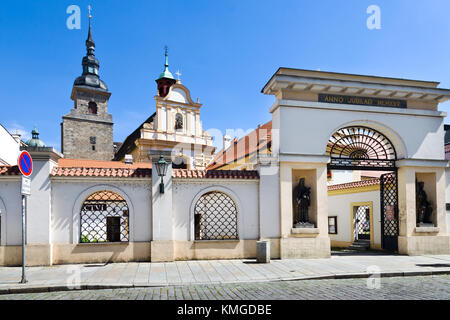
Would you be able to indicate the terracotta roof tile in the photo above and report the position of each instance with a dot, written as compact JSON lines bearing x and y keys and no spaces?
{"x":115,"y":169}
{"x":357,"y":184}
{"x":215,"y":174}
{"x":96,"y":168}
{"x":9,"y":171}
{"x":101,"y":172}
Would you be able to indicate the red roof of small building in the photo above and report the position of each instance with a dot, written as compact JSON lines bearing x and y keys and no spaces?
{"x":356,"y":184}
{"x":255,"y":141}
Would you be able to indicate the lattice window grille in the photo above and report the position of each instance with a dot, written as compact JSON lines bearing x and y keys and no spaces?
{"x":96,"y":210}
{"x":215,"y":217}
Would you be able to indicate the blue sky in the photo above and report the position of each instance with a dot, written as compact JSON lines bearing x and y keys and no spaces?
{"x":226,"y":51}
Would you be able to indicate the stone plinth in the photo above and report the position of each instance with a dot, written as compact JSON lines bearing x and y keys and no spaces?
{"x":263,"y":251}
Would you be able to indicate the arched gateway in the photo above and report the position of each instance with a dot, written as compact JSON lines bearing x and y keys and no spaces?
{"x":364,"y":148}
{"x":324,"y":121}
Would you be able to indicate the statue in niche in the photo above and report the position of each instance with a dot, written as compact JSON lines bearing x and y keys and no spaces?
{"x":302,"y":197}
{"x":424,"y":209}
{"x":178,"y":121}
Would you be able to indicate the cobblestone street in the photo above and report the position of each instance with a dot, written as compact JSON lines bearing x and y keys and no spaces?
{"x":420,"y":288}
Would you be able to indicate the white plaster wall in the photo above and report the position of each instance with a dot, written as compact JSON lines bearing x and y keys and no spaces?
{"x":269,"y":202}
{"x":340,"y":206}
{"x":244,"y":193}
{"x":341,"y":176}
{"x":68,"y":195}
{"x":39,"y":203}
{"x":11,"y":215}
{"x":9,"y":147}
{"x":420,"y":137}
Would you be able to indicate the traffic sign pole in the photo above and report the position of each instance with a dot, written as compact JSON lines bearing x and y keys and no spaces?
{"x":24,"y":278}
{"x":25,"y":163}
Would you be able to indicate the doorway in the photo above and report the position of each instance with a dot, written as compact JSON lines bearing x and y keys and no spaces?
{"x":362,"y":222}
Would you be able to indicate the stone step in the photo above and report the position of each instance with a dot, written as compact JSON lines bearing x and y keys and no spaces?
{"x":360,"y":245}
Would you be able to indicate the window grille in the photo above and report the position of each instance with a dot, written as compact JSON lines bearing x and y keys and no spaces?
{"x":104,"y":218}
{"x":354,"y":148}
{"x":215,"y":217}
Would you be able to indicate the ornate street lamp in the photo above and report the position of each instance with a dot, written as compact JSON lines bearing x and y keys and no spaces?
{"x":161,"y":168}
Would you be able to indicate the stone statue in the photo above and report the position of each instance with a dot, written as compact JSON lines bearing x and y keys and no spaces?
{"x":178,"y":121}
{"x":302,"y":197}
{"x":424,"y":209}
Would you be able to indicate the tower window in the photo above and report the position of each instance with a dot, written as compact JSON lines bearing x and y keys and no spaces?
{"x":92,"y":108}
{"x":93,"y":140}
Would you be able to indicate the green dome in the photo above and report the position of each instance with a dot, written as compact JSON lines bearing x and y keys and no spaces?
{"x":35,"y":141}
{"x":166,"y":74}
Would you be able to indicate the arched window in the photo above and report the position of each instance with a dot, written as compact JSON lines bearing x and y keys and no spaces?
{"x":104,"y":218}
{"x":215,"y":217}
{"x":178,"y":121}
{"x":92,"y":108}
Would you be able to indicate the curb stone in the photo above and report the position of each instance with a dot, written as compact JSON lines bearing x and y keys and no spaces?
{"x":55,"y":288}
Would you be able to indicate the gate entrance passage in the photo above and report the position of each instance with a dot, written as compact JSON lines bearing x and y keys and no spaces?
{"x":363,"y":148}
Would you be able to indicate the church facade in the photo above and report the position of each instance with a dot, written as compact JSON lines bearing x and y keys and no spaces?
{"x":174,"y":127}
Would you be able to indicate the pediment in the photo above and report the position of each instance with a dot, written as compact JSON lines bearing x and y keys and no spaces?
{"x":179,"y":93}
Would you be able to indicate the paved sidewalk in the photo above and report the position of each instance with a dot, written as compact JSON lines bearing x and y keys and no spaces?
{"x":126,"y":275}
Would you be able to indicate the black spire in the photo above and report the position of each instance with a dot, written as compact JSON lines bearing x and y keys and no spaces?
{"x":91,"y":65}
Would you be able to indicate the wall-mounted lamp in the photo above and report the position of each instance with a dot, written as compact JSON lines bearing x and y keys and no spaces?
{"x":161,"y":168}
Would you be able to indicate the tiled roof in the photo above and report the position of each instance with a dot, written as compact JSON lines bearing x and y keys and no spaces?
{"x":116,"y":169}
{"x":215,"y":174}
{"x":257,"y":140}
{"x":95,"y":168}
{"x":357,"y":184}
{"x":101,"y":172}
{"x":9,"y":171}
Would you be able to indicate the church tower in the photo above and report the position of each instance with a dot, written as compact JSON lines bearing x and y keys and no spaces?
{"x":87,"y":131}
